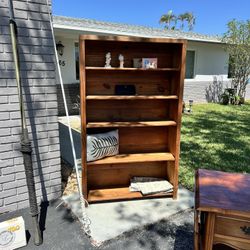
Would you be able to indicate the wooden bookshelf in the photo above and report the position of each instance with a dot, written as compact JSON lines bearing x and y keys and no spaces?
{"x":148,"y":122}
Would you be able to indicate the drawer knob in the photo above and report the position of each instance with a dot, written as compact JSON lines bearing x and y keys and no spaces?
{"x":246,"y":230}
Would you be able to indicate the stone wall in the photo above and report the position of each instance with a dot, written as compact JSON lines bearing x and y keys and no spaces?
{"x":72,"y":93}
{"x":40,"y":91}
{"x":206,"y":91}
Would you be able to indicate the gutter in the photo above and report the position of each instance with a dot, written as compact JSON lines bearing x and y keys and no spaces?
{"x":105,"y":31}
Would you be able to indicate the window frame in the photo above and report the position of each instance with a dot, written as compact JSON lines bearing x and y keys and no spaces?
{"x":76,"y":45}
{"x":194,"y":68}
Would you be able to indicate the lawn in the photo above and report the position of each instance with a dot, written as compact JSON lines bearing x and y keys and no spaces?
{"x":215,"y":137}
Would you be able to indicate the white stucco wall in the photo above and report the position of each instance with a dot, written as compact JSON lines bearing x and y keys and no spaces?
{"x":210,"y":59}
{"x":68,"y":71}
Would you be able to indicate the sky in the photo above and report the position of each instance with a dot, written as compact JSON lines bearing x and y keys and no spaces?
{"x":211,"y":15}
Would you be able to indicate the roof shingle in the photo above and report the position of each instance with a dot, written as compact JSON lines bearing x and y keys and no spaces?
{"x":128,"y":29}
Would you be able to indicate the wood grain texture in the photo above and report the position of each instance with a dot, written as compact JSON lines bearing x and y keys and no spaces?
{"x":130,"y":158}
{"x":120,"y":194}
{"x":232,"y":226}
{"x":145,"y":82}
{"x":131,"y":39}
{"x":223,"y":192}
{"x":156,"y":139}
{"x":83,"y":116}
{"x":130,"y":124}
{"x":131,"y":97}
{"x":136,"y":111}
{"x":131,"y":69}
{"x":233,"y":242}
{"x":223,"y":201}
{"x":209,"y":232}
{"x":119,"y":175}
{"x":148,"y":122}
{"x":177,"y":112}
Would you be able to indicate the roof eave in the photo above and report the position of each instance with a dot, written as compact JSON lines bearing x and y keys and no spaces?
{"x":77,"y":28}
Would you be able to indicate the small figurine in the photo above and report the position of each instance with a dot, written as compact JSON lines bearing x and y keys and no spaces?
{"x":121,"y":59}
{"x":108,"y":60}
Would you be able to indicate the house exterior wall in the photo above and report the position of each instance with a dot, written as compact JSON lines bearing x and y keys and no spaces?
{"x":40,"y":94}
{"x":68,"y":71}
{"x":211,"y":61}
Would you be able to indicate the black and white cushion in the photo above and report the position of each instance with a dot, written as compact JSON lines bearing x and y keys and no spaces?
{"x":102,"y":145}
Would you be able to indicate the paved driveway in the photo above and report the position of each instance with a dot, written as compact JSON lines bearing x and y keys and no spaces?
{"x":61,"y":231}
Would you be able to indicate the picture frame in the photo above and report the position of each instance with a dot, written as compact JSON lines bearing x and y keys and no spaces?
{"x":149,"y":63}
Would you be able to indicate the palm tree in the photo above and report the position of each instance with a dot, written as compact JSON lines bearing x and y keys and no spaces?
{"x":168,"y":18}
{"x":182,"y":18}
{"x":190,"y":20}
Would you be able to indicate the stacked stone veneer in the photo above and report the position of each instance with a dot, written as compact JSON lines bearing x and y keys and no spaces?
{"x":40,"y":91}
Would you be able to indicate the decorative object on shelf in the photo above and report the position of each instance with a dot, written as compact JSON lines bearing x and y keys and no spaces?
{"x":121,"y":59}
{"x":60,"y":48}
{"x":108,"y":60}
{"x":125,"y":89}
{"x":137,"y":63}
{"x":102,"y":145}
{"x":149,"y":63}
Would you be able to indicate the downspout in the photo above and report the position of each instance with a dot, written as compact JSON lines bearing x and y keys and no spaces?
{"x":25,"y":142}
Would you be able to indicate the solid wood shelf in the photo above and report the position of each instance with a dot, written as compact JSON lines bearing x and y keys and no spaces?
{"x":132,"y":97}
{"x":133,"y":158}
{"x":148,"y":121}
{"x":130,"y":69}
{"x":130,"y":124}
{"x":123,"y":193}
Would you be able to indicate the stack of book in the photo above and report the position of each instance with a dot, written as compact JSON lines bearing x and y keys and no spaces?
{"x":150,"y":185}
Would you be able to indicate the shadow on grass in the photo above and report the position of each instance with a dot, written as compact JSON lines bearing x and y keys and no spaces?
{"x":215,"y":137}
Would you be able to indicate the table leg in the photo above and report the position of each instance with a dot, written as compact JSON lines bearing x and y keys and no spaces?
{"x":209,"y":231}
{"x":196,"y":230}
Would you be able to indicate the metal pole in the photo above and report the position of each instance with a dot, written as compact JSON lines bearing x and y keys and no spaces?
{"x":25,"y":142}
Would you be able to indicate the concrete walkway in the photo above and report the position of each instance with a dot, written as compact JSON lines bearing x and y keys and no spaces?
{"x":109,"y":220}
{"x":60,"y":231}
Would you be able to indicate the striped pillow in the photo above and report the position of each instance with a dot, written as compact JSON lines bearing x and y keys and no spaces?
{"x":102,"y":145}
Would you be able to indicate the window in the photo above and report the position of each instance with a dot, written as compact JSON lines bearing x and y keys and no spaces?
{"x":190,"y":64}
{"x":230,"y":67}
{"x":77,"y":60}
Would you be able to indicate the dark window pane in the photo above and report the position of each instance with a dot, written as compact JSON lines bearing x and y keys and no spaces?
{"x":77,"y":60}
{"x":190,"y":64}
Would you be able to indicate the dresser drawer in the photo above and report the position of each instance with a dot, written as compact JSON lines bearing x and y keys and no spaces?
{"x":233,"y":226}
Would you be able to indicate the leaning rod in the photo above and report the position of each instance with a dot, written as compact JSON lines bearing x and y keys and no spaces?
{"x":25,"y":142}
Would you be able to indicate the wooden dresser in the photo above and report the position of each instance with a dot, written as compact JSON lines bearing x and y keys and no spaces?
{"x":222,"y":210}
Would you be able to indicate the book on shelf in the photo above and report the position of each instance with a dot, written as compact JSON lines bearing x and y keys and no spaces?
{"x":150,"y":185}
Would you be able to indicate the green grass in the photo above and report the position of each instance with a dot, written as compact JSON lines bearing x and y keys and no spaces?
{"x":215,"y":137}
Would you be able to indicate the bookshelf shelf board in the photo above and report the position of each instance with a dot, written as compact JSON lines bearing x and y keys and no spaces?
{"x":133,"y":158}
{"x":130,"y":69}
{"x":132,"y":97}
{"x":120,"y":194}
{"x":130,"y":124}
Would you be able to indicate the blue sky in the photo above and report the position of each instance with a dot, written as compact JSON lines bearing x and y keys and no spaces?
{"x":211,"y":15}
